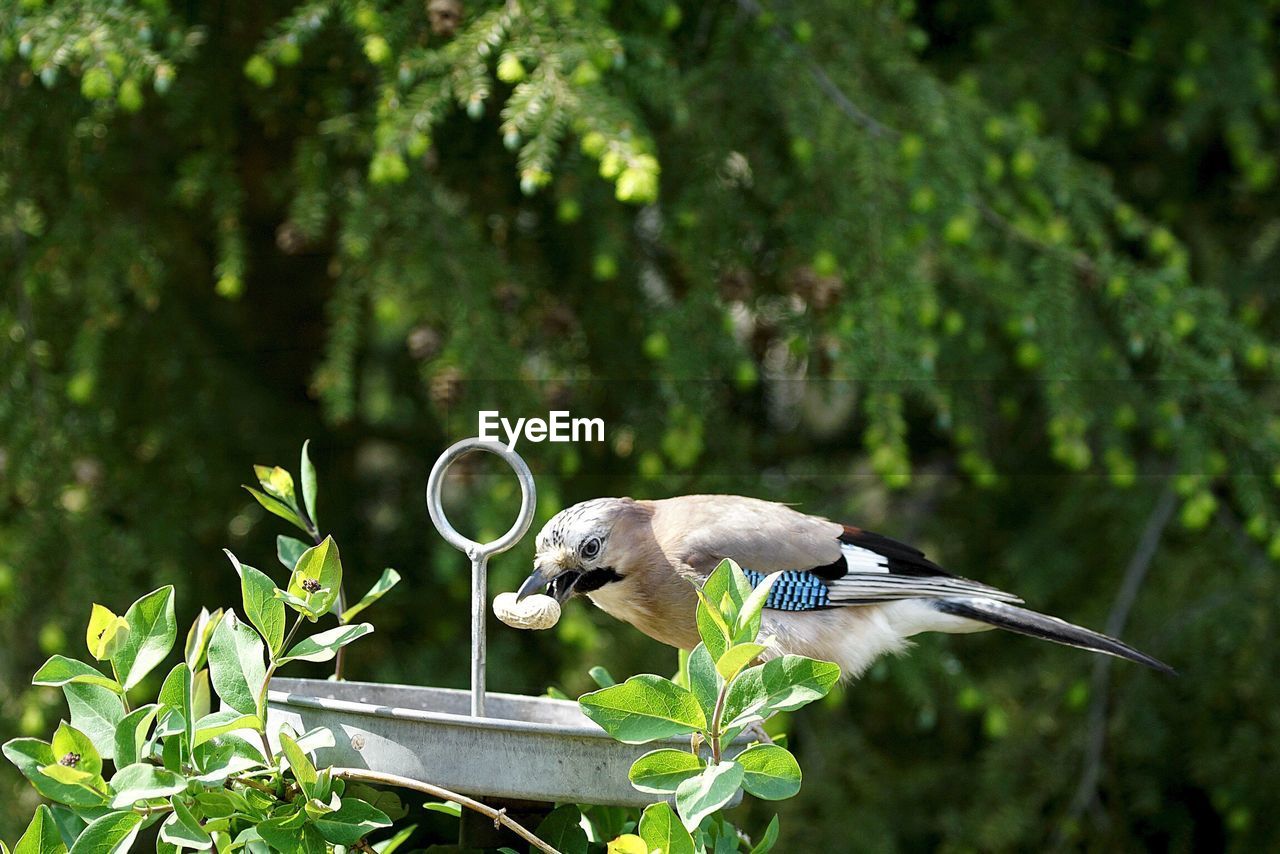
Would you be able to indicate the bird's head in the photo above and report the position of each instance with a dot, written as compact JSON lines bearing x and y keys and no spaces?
{"x":576,"y":552}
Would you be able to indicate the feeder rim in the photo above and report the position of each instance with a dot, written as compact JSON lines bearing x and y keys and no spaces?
{"x":373,"y":710}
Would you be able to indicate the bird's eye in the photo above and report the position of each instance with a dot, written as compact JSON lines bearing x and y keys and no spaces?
{"x":591,"y":548}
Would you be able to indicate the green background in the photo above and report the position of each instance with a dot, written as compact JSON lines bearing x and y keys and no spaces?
{"x":996,"y":278}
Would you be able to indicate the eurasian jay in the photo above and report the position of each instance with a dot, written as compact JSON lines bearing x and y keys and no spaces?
{"x":845,"y":595}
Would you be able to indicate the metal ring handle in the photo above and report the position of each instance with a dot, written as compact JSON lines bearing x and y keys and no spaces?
{"x":527,"y":498}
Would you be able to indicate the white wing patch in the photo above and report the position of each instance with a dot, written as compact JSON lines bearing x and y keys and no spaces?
{"x":858,"y":588}
{"x":859,"y":559}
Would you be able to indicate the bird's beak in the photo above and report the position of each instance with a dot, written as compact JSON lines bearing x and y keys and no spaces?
{"x":560,"y":584}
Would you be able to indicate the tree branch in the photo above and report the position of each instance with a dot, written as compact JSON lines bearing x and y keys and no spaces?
{"x":498,"y":816}
{"x":819,"y":74}
{"x":1135,"y":574}
{"x":879,"y":129}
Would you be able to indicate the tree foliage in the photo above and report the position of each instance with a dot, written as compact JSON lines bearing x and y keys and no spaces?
{"x":986,"y":274}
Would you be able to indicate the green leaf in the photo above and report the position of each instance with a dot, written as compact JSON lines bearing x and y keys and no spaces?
{"x":236,"y":664}
{"x":131,"y":734}
{"x":712,"y":628}
{"x":278,"y":507}
{"x":383,"y":800}
{"x":291,"y":833}
{"x":277,"y":483}
{"x":394,"y":842}
{"x":644,"y":708}
{"x":182,"y":828}
{"x":152,"y":632}
{"x":351,"y":822}
{"x":682,"y":668}
{"x":662,"y":771}
{"x":323,"y":646}
{"x":261,"y":606}
{"x":108,"y":834}
{"x":718,"y":835}
{"x":302,"y":606}
{"x":602,"y":677}
{"x":288,"y":550}
{"x":74,"y":777}
{"x":747,"y":626}
{"x":737,"y":657}
{"x":96,"y":712}
{"x":727,"y":588}
{"x":178,"y":694}
{"x":213,"y":725}
{"x":769,"y":772}
{"x":105,"y":633}
{"x":562,"y":830}
{"x":319,"y":565}
{"x":308,"y":472}
{"x":142,"y":781}
{"x":201,"y":695}
{"x":226,"y":755}
{"x":779,"y":685}
{"x":700,"y":796}
{"x":445,"y":807}
{"x":304,"y":771}
{"x":704,"y":679}
{"x":30,"y":755}
{"x":198,"y":638}
{"x":770,"y":838}
{"x":67,"y":739}
{"x":60,"y":670}
{"x":41,"y":836}
{"x":70,"y":823}
{"x":662,"y":831}
{"x":390,"y":578}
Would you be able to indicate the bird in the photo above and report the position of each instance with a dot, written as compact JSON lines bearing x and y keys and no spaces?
{"x":845,"y":594}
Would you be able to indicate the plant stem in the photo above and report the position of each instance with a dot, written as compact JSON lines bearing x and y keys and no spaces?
{"x":261,"y":704}
{"x":498,"y":816}
{"x":715,"y":733}
{"x":253,"y":784}
{"x":146,"y":811}
{"x":124,"y":695}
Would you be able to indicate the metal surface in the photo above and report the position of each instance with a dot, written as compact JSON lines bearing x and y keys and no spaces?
{"x":534,"y":748}
{"x":479,"y":553}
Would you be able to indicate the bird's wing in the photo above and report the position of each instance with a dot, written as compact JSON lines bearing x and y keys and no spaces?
{"x":698,"y":531}
{"x":824,"y":564}
{"x":879,"y":568}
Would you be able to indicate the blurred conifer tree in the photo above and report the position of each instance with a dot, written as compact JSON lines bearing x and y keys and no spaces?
{"x":979,"y":273}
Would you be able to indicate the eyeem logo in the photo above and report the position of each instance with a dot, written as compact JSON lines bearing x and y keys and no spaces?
{"x":559,"y":426}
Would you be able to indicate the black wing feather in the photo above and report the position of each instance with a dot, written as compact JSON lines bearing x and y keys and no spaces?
{"x":903,"y":559}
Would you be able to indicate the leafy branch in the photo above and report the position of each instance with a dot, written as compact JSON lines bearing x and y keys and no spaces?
{"x":178,"y":763}
{"x":718,"y":698}
{"x":279,"y":496}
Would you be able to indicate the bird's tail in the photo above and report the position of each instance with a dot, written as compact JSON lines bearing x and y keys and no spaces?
{"x":1024,"y":622}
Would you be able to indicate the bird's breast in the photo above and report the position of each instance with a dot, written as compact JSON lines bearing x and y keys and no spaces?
{"x":674,"y":623}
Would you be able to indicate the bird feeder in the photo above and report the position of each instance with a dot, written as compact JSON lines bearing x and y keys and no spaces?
{"x":490,"y":745}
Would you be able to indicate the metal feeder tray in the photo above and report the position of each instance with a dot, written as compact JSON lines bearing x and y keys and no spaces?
{"x":489,"y":745}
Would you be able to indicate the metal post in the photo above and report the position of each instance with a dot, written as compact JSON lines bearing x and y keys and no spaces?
{"x":479,"y":641}
{"x":479,"y":553}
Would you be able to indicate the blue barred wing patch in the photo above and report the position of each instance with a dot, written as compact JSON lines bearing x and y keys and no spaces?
{"x":794,"y":590}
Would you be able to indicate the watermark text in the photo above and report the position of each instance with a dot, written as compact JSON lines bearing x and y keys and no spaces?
{"x":558,"y":426}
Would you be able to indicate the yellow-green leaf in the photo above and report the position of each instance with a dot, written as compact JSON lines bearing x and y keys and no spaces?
{"x":105,"y":633}
{"x":737,"y":657}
